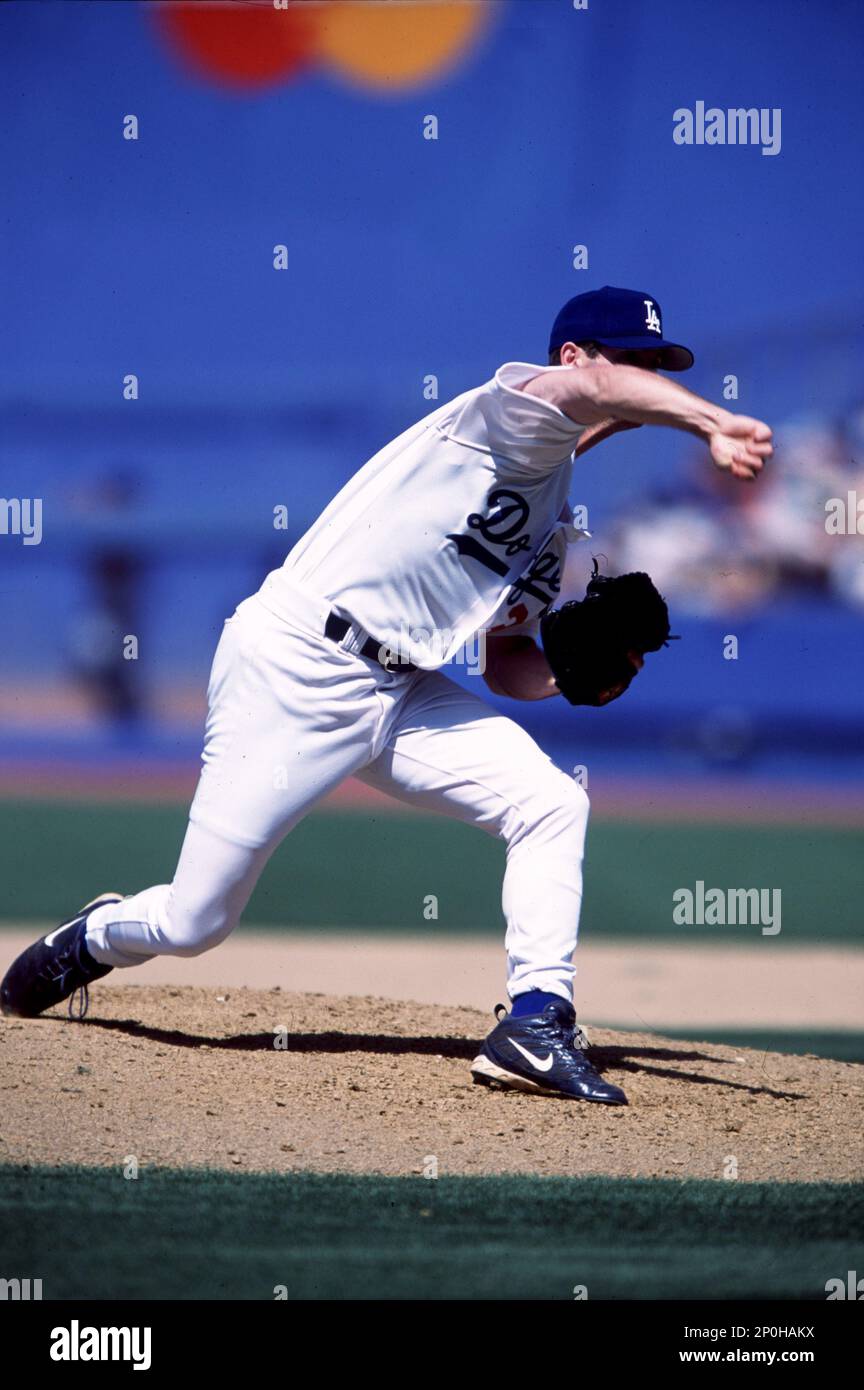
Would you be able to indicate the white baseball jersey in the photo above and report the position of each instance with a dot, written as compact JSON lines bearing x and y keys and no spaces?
{"x":458,"y":524}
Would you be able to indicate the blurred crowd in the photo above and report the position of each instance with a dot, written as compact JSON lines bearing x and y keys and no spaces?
{"x":715,"y":545}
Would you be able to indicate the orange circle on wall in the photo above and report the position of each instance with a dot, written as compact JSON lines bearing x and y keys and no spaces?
{"x":385,"y":45}
{"x":241,"y":45}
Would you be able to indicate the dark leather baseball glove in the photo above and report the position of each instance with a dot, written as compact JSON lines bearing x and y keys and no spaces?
{"x":587,"y":642}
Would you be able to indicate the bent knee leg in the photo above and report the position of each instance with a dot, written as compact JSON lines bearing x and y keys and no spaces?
{"x":556,"y":814}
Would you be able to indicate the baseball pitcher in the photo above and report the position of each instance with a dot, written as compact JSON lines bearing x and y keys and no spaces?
{"x":461,"y":525}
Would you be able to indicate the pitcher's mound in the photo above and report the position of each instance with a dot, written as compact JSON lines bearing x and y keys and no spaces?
{"x":266,"y":1080}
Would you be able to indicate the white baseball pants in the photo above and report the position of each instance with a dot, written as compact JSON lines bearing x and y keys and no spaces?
{"x":291,"y":715}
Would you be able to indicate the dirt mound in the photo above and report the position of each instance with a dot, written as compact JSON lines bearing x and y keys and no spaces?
{"x":191,"y":1077}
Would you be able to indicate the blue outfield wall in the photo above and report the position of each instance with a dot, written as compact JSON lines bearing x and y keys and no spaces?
{"x":410,"y":257}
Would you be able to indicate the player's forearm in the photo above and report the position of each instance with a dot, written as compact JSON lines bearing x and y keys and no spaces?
{"x":519,"y":670}
{"x":639,"y":398}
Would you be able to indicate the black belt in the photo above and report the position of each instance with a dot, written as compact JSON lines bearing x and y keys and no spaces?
{"x":335,"y":628}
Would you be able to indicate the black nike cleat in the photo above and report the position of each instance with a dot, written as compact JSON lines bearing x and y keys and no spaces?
{"x":542,"y":1052}
{"x":54,"y":968}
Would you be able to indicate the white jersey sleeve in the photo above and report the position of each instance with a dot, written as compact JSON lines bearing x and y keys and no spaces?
{"x":507,"y":421}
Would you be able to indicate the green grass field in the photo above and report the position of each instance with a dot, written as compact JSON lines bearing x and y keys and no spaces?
{"x":372,"y":870}
{"x":90,"y":1233}
{"x":841,"y":1047}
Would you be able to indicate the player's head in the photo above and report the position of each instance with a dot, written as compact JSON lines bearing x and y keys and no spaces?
{"x":618,"y":326}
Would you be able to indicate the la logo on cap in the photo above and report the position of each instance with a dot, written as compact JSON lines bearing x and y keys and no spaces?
{"x":652,"y":318}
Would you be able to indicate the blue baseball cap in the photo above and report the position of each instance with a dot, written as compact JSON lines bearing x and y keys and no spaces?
{"x":618,"y":318}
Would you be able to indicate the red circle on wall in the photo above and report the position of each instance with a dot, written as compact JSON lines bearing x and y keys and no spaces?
{"x":239,"y":45}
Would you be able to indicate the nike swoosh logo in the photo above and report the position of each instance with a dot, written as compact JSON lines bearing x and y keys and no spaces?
{"x":49,"y":940}
{"x":538,"y":1063}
